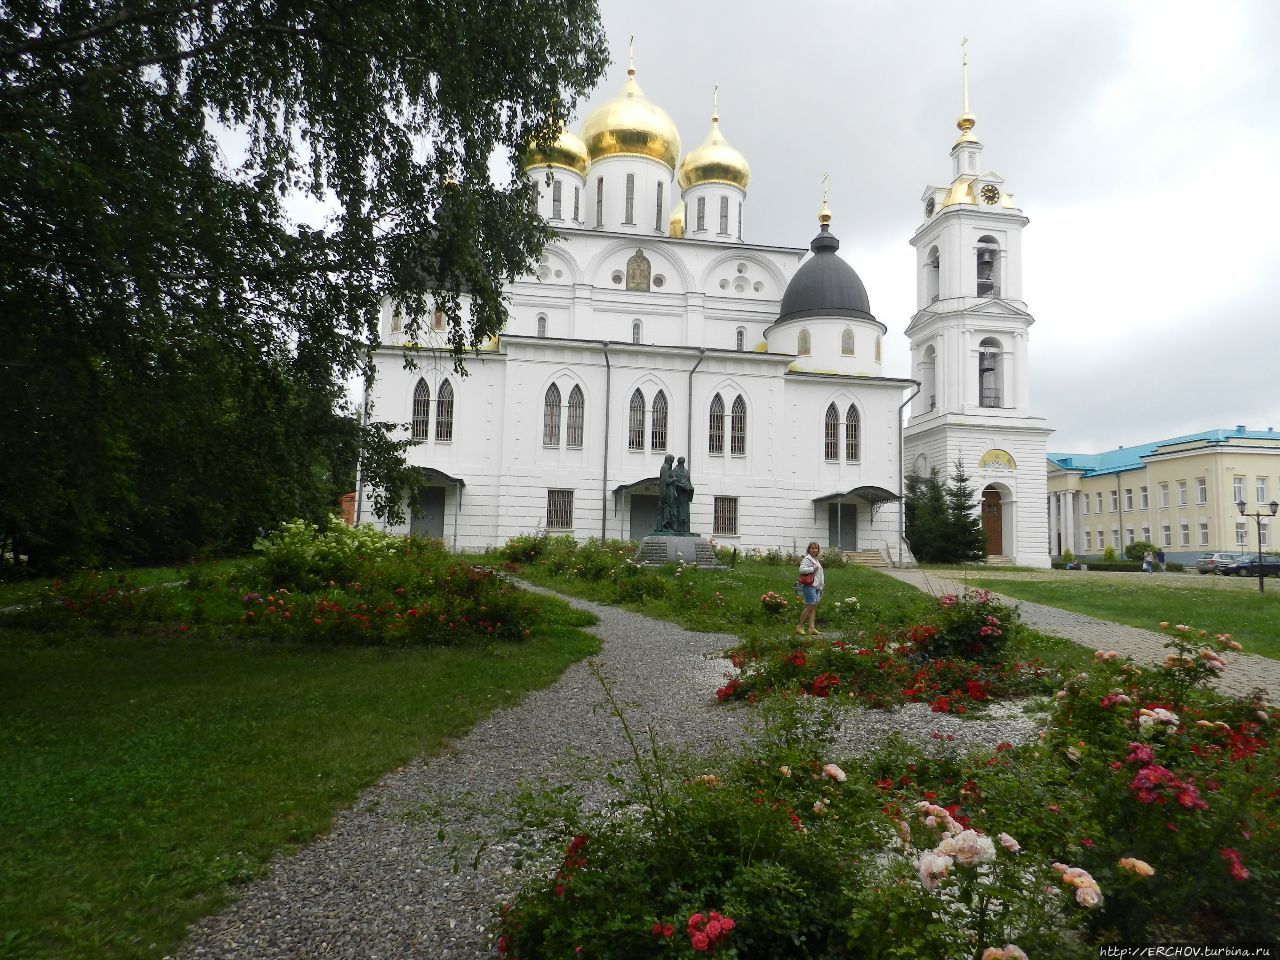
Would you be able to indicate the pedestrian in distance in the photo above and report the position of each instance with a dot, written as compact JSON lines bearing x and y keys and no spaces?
{"x":809,"y":586}
{"x":1160,"y":558}
{"x":1148,"y":559}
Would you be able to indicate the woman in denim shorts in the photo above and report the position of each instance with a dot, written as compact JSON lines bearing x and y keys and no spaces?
{"x":810,"y":594}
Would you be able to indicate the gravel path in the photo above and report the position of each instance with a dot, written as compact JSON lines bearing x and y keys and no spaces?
{"x":1245,"y":672}
{"x":383,"y":886}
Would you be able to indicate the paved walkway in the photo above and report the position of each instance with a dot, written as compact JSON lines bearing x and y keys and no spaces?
{"x":1245,"y":672}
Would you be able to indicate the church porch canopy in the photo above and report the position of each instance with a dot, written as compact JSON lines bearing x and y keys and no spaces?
{"x":868,"y":494}
{"x":431,"y":477}
{"x":647,"y":485}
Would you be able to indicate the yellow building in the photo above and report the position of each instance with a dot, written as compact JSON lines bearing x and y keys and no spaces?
{"x":1179,"y":494}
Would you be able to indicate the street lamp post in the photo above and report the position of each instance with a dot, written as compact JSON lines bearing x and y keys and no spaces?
{"x":1257,"y":521}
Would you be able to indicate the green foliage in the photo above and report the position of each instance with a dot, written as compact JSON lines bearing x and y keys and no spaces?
{"x":300,"y":556}
{"x":177,"y":349}
{"x":974,"y":625}
{"x":1109,"y":555}
{"x":1068,"y":556}
{"x":1138,"y":548}
{"x":941,"y":521}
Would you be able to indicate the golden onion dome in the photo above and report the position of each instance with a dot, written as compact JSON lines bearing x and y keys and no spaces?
{"x":631,"y":125}
{"x":675,"y":223}
{"x":714,"y":162}
{"x":568,"y":152}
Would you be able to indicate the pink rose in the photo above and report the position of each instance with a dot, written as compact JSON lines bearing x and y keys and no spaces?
{"x":1009,"y":843}
{"x":835,"y":773}
{"x":1089,"y":897}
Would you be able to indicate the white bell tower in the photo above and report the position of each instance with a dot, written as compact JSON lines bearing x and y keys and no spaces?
{"x":969,"y":351}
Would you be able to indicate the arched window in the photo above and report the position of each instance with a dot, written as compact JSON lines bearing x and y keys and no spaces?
{"x":877,"y":349}
{"x":421,"y":410}
{"x":715,"y":428}
{"x":847,"y":342}
{"x":738,"y":428}
{"x":542,"y":324}
{"x":444,"y":413}
{"x":657,"y":224}
{"x":988,"y":267}
{"x":928,"y":377}
{"x":932,"y":275}
{"x":740,"y":339}
{"x":831,"y":434}
{"x":802,"y":343}
{"x":556,"y":190}
{"x":551,"y":417}
{"x":851,"y":446}
{"x":658,"y":423}
{"x":635,"y":422}
{"x":635,"y":331}
{"x":724,"y":216}
{"x":990,"y":381}
{"x":577,"y":409}
{"x":702,"y":213}
{"x":397,"y":318}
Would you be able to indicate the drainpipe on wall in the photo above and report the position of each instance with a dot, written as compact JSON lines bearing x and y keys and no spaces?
{"x":604,"y":483}
{"x":902,"y":507}
{"x":364,"y":422}
{"x":702,"y":355}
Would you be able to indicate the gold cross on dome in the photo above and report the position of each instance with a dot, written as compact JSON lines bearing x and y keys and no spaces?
{"x":825,"y":175}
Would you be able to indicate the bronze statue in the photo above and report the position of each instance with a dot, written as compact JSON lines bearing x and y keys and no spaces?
{"x":682,"y":487}
{"x":667,"y":497}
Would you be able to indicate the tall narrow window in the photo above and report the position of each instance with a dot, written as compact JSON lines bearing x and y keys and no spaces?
{"x":740,"y":339}
{"x":989,"y":373}
{"x":932,"y":275}
{"x":715,"y":427}
{"x":702,"y":213}
{"x":635,"y":331}
{"x":421,"y":410}
{"x":444,"y":413}
{"x":577,"y":196}
{"x":831,"y":434}
{"x":631,"y":199}
{"x":988,"y":267}
{"x":724,"y":216}
{"x":635,"y":422}
{"x":556,"y":190}
{"x":802,"y":344}
{"x":852,"y":447}
{"x":877,"y":349}
{"x":658,"y":423}
{"x":542,"y":324}
{"x":657,"y":222}
{"x":551,"y":417}
{"x":738,"y":428}
{"x":739,"y":221}
{"x":599,"y":201}
{"x":577,"y":409}
{"x":847,"y":342}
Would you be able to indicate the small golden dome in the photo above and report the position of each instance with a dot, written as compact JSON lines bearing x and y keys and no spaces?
{"x":675,"y":223}
{"x":961,"y":192}
{"x":714,"y":162}
{"x":568,"y":152}
{"x":965,"y":125}
{"x":631,"y":125}
{"x":824,"y":215}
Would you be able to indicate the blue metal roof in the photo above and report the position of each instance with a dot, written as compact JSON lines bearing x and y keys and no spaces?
{"x":1130,"y":458}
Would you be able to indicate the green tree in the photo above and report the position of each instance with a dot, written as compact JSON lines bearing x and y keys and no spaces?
{"x":175,"y":348}
{"x":965,"y":540}
{"x":926,"y":517}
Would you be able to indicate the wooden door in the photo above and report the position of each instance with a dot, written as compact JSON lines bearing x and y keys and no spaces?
{"x":992,"y":521}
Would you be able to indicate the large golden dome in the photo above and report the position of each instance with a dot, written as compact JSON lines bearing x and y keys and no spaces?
{"x":631,"y":125}
{"x":714,"y":162}
{"x":568,"y":152}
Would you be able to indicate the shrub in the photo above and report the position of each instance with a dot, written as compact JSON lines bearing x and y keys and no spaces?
{"x":1109,"y":555}
{"x":298,"y":555}
{"x":972,"y":626}
{"x":1068,"y":556}
{"x":1137,"y":549}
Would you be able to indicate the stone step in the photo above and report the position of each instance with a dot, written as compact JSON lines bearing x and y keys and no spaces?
{"x":865,"y":558}
{"x":999,"y":560}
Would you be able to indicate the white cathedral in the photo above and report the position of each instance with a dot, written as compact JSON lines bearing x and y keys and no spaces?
{"x":651,"y":327}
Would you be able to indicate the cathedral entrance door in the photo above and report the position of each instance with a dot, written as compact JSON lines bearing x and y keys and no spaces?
{"x":644,"y":515}
{"x":842,"y":525}
{"x":427,"y":516}
{"x":992,"y":521}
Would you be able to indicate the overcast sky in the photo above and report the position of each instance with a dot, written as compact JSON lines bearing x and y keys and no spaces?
{"x":1141,"y":139}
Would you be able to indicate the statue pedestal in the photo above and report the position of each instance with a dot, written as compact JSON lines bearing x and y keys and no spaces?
{"x":659,"y":548}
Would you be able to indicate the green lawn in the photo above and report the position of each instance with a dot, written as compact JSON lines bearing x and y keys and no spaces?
{"x":1217,"y":604}
{"x":14,"y":592}
{"x":142,"y":775}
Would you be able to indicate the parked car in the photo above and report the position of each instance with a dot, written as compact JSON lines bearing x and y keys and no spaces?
{"x":1210,"y":562}
{"x":1249,"y":566}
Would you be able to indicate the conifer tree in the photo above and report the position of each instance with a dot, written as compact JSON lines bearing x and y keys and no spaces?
{"x":965,"y":540}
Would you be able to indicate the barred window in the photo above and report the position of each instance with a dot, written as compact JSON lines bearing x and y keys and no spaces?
{"x":421,"y":410}
{"x":852,"y":447}
{"x":724,"y":216}
{"x":847,"y":342}
{"x":542,"y":324}
{"x":631,"y":199}
{"x":559,"y":509}
{"x":599,"y":201}
{"x":715,"y":428}
{"x":658,"y":430}
{"x":551,"y":417}
{"x":831,"y":447}
{"x":725,"y":522}
{"x":577,"y":194}
{"x":738,"y":428}
{"x":740,"y":339}
{"x":556,"y":190}
{"x":636,"y":331}
{"x":877,"y":349}
{"x":657,"y":224}
{"x":444,"y":413}
{"x":802,"y":344}
{"x":702,"y":213}
{"x":635,"y":422}
{"x":577,"y":414}
{"x":739,"y":221}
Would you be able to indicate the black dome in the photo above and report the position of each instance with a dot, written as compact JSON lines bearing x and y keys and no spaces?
{"x":826,"y":286}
